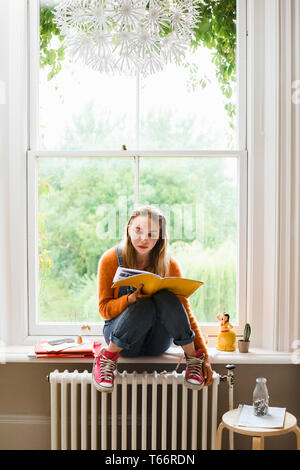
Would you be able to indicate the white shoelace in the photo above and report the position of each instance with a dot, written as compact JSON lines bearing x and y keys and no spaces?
{"x":195,"y":365}
{"x":107,"y":367}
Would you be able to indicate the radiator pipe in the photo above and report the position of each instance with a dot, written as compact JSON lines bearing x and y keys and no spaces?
{"x":230,"y":379}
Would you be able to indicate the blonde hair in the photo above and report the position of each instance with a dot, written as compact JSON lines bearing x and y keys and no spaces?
{"x":159,"y":256}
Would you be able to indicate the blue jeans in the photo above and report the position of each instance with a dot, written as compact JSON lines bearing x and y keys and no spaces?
{"x":149,"y":326}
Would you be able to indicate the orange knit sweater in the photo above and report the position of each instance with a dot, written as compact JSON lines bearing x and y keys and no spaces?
{"x":110,"y":306}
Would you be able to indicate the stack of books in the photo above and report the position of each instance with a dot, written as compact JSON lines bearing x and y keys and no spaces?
{"x":43,"y":349}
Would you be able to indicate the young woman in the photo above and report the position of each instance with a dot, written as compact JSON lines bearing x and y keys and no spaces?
{"x":142,"y":325}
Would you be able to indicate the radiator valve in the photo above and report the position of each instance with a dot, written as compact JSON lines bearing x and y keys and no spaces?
{"x":229,"y":378}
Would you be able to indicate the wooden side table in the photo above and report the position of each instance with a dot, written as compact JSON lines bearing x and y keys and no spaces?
{"x":258,"y":434}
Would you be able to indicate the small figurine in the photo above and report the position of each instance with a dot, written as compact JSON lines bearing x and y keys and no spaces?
{"x":226,"y":337}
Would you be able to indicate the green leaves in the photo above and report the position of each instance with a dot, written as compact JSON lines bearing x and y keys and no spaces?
{"x":203,"y":27}
{"x":50,"y":54}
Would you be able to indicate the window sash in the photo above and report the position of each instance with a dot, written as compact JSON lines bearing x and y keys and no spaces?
{"x":34,"y":67}
{"x":36,"y":328}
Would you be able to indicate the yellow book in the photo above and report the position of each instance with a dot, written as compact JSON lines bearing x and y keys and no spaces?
{"x":153,"y":282}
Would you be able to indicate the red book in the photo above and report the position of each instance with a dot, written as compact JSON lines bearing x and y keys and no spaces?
{"x":87,"y":349}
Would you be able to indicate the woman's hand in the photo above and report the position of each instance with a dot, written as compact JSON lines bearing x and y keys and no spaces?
{"x":208,"y":373}
{"x":137,"y":295}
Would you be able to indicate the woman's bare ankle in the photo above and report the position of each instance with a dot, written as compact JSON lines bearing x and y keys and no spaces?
{"x":189,"y":349}
{"x":113,"y":348}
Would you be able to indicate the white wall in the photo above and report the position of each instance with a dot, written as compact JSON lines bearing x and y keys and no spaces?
{"x":13,"y":147}
{"x":4,"y":200}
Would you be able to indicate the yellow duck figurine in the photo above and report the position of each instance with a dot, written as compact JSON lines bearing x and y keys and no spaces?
{"x":226,"y":337}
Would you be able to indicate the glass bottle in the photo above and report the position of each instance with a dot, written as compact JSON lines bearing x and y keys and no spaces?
{"x":260,"y":397}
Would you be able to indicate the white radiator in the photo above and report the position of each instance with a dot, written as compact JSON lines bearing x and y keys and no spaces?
{"x":145,"y":411}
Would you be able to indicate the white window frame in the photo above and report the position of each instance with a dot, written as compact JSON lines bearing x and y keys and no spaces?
{"x":34,"y":327}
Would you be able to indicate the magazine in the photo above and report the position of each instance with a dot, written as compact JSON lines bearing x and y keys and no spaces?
{"x":153,"y":282}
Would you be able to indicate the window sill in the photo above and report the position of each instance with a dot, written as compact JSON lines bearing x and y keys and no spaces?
{"x":16,"y":354}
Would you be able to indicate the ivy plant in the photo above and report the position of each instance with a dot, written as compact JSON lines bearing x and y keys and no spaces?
{"x":50,"y":56}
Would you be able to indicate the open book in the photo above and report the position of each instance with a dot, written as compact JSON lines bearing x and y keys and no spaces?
{"x":153,"y":282}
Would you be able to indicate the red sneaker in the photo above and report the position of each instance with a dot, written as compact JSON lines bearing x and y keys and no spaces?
{"x":103,"y":370}
{"x":193,"y":373}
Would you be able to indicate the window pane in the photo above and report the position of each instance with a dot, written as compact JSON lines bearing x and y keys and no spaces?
{"x":199,"y":198}
{"x":177,"y":115}
{"x":83,"y":110}
{"x":80,"y":108}
{"x":83,"y":209}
